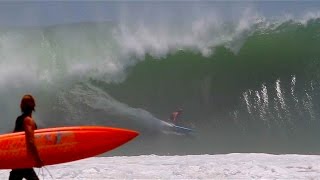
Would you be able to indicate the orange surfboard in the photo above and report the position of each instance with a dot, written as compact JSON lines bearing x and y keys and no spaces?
{"x":60,"y":145}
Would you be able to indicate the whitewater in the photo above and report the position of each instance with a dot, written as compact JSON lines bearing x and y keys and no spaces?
{"x":220,"y":166}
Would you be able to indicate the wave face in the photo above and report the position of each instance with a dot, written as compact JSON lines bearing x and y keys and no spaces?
{"x":246,"y":82}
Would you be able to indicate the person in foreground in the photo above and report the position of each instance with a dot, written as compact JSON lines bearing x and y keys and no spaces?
{"x":25,"y":123}
{"x":175,"y":116}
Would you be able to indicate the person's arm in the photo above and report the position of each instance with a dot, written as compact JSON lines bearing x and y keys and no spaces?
{"x":29,"y":127}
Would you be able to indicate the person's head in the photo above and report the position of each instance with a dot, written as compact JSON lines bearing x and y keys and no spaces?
{"x":27,"y":104}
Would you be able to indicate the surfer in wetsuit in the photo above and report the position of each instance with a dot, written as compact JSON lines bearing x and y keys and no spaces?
{"x":175,"y":115}
{"x":26,"y":123}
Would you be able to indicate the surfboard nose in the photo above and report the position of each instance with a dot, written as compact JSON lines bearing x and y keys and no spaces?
{"x":132,"y":133}
{"x":108,"y":135}
{"x":126,"y":134}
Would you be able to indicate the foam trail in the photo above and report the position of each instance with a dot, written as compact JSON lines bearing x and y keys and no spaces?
{"x":97,"y":99}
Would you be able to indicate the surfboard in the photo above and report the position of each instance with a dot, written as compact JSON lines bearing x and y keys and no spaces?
{"x":176,"y":128}
{"x":183,"y":129}
{"x":62,"y":144}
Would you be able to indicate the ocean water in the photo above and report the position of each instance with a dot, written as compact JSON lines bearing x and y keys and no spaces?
{"x":245,"y":73}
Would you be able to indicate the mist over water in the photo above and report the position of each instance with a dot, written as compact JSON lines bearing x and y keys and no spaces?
{"x":247,"y":81}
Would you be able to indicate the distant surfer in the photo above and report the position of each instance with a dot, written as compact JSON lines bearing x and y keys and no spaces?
{"x":175,"y":116}
{"x":26,"y":123}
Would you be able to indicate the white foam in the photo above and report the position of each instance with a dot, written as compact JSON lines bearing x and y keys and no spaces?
{"x":224,"y":166}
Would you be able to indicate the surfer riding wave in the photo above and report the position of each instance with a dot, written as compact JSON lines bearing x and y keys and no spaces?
{"x":175,"y":116}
